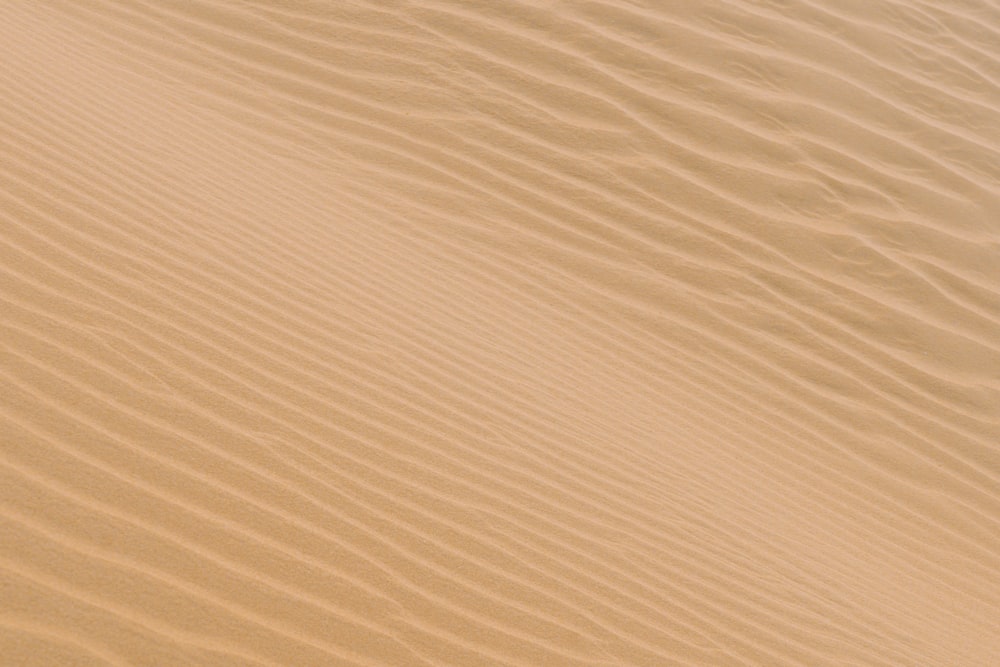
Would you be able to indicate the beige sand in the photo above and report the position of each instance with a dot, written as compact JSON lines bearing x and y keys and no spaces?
{"x":500,"y":333}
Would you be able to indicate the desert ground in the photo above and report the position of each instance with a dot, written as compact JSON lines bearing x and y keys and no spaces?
{"x":531,"y":333}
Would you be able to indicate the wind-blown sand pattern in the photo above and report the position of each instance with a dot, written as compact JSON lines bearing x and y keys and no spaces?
{"x":500,"y":333}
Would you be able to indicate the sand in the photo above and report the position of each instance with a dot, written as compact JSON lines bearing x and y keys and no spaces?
{"x":440,"y":332}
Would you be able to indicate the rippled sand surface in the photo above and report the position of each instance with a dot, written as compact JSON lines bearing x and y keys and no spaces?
{"x":528,"y":333}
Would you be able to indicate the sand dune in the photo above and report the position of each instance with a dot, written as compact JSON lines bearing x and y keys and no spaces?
{"x":500,"y":333}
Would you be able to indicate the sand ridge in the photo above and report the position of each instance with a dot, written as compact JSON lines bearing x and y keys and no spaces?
{"x":521,"y":333}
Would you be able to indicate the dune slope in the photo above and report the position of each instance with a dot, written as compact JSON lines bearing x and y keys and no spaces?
{"x":500,"y":333}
